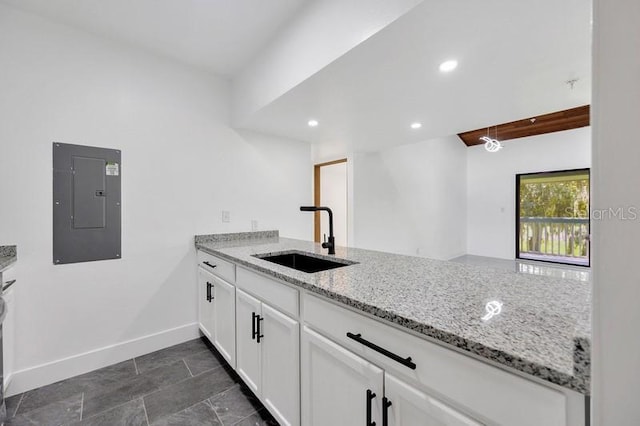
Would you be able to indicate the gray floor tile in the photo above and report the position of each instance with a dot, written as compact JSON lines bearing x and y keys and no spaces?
{"x":261,"y":418}
{"x":175,"y":398}
{"x":203,"y":361}
{"x":171,"y":354}
{"x":200,"y":414}
{"x":12,"y":403}
{"x":128,"y":414}
{"x":57,"y":413}
{"x":234,"y":404}
{"x":103,"y":377}
{"x":96,"y":401}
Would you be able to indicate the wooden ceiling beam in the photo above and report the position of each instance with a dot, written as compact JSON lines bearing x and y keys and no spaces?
{"x":539,"y":125}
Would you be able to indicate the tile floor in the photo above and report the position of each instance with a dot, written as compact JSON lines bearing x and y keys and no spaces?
{"x":185,"y":384}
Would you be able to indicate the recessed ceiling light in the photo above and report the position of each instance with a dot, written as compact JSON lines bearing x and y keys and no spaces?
{"x":416,"y":125}
{"x":313,"y":123}
{"x":448,"y":66}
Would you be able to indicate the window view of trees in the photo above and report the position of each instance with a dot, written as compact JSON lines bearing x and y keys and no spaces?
{"x":553,"y":216}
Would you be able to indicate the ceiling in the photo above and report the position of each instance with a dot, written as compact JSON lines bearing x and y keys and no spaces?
{"x":218,"y":35}
{"x":514,"y":60}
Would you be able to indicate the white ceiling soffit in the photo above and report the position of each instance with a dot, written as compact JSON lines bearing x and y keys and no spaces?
{"x":217,"y":35}
{"x":321,"y":32}
{"x":514,"y":59}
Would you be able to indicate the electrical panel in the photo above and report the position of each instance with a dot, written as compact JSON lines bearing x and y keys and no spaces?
{"x":86,"y":203}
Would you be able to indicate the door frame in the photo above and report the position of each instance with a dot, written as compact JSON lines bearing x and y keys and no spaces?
{"x":316,"y":195}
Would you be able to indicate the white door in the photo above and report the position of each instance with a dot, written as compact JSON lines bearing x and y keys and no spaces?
{"x":224,"y":320}
{"x":337,"y":385}
{"x":280,"y":366}
{"x":248,"y":313}
{"x":205,"y":302}
{"x":333,"y":194}
{"x":412,"y":407}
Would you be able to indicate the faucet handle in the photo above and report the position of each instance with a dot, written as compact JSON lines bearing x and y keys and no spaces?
{"x":325,"y":238}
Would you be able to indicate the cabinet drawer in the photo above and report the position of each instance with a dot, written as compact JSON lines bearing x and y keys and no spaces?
{"x":269,"y":290}
{"x":478,"y":388}
{"x":222,"y":268}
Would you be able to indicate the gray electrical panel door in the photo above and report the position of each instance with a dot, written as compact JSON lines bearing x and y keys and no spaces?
{"x":86,"y":203}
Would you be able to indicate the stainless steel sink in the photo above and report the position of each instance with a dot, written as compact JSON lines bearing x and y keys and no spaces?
{"x":302,"y":261}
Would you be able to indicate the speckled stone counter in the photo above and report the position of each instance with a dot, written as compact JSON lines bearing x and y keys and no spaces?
{"x":543,"y":328}
{"x":8,"y":256}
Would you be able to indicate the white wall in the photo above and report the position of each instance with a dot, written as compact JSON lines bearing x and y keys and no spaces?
{"x":321,"y":32}
{"x":491,"y":184}
{"x":412,"y":199}
{"x":616,"y":156}
{"x":181,"y":165}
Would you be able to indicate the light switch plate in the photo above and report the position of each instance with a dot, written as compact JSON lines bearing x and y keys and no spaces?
{"x":226,"y":216}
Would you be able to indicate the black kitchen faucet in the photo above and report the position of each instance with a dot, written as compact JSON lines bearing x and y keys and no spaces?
{"x":331,"y":244}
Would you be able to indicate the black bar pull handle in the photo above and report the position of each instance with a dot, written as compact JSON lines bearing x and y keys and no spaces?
{"x":259,"y":335}
{"x":254,"y":333}
{"x":404,"y":361}
{"x":370,"y":396}
{"x":209,"y":295}
{"x":385,"y":411}
{"x":8,"y":284}
{"x":209,"y":264}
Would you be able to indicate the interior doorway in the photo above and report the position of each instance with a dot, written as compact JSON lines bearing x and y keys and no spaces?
{"x":330,"y":185}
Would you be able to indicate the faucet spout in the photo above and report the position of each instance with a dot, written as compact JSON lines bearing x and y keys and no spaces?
{"x":331,"y":244}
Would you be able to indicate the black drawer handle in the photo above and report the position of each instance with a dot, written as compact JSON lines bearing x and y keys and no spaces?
{"x":385,"y":411}
{"x":404,"y":361}
{"x":209,"y":265}
{"x":370,"y":396}
{"x":209,"y":295}
{"x":254,"y":332}
{"x":259,"y":334}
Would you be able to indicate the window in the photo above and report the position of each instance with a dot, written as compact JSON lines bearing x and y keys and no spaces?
{"x":552,"y":216}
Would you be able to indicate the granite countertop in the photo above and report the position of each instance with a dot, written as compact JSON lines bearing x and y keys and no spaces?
{"x":543,"y":327}
{"x":8,"y":256}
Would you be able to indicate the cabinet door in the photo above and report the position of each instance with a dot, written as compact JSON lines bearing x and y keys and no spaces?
{"x":224,"y":320}
{"x":205,"y":303}
{"x":248,"y":348}
{"x":8,"y":335}
{"x":412,"y":407}
{"x":280,"y":366}
{"x":335,"y":384}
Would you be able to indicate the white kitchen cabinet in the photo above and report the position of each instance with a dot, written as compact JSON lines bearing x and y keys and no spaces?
{"x":205,"y":302}
{"x":216,"y":313}
{"x":405,"y":405}
{"x":462,"y":384}
{"x":8,"y":329}
{"x":248,"y":309}
{"x":224,"y":316}
{"x":339,"y":388}
{"x":267,"y":355}
{"x":280,"y":361}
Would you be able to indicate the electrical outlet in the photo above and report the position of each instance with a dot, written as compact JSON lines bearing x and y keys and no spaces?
{"x":254,"y":225}
{"x":226,"y":216}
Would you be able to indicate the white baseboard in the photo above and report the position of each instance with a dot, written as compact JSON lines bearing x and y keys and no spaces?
{"x":51,"y":372}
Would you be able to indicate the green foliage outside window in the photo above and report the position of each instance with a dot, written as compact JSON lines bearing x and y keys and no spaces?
{"x":567,"y":197}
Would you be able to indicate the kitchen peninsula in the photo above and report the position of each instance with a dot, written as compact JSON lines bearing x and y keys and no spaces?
{"x":389,"y":308}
